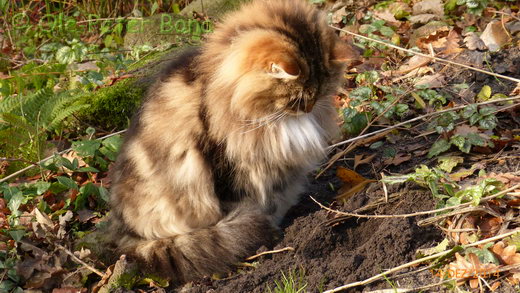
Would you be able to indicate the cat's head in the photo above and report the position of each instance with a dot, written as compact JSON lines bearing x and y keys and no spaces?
{"x":282,"y":58}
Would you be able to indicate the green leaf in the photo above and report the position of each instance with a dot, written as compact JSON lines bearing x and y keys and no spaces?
{"x":65,"y":55}
{"x":87,"y":169}
{"x":484,"y":94}
{"x":67,"y":182}
{"x":461,"y":142}
{"x":453,"y":201}
{"x":448,"y":163}
{"x":113,"y":143}
{"x":438,"y":147}
{"x":469,"y":111}
{"x":15,"y":202}
{"x":41,"y":187}
{"x":484,"y":255}
{"x":361,"y":93}
{"x":485,"y":111}
{"x":354,"y":122}
{"x":386,"y":31}
{"x":488,"y":122}
{"x":17,"y":234}
{"x":476,"y":139}
{"x":103,"y":194}
{"x":86,"y":148}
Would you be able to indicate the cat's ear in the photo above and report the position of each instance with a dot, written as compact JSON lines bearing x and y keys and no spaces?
{"x":344,"y":52}
{"x":284,"y":70}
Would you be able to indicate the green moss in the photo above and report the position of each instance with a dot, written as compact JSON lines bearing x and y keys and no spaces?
{"x":113,"y":106}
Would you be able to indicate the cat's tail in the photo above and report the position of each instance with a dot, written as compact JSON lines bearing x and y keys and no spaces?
{"x":203,"y":252}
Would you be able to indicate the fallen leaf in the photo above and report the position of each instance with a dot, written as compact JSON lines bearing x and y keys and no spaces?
{"x":429,"y":6}
{"x":415,"y":62}
{"x":452,"y":43}
{"x":464,"y":130}
{"x":353,"y":183}
{"x":423,"y":18}
{"x":448,"y":163}
{"x":63,"y":219}
{"x":507,"y":254}
{"x":474,"y":42}
{"x":432,"y":81}
{"x":361,"y":159}
{"x":398,"y":159}
{"x":387,"y":16}
{"x":495,"y":35}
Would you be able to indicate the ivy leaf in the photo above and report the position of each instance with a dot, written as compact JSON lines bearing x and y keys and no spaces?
{"x":488,"y":122}
{"x":461,"y":142}
{"x":65,"y":55}
{"x":476,"y":139}
{"x":354,"y":121}
{"x":438,"y":147}
{"x":469,"y":111}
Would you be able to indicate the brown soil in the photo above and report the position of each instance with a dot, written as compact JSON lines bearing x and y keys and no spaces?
{"x":331,"y":255}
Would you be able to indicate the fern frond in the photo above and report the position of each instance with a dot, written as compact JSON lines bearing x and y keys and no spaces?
{"x":55,"y":105}
{"x":32,"y":104}
{"x":17,"y":122}
{"x":64,"y":113}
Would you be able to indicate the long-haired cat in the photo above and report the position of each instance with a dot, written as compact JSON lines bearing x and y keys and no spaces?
{"x":220,"y":149}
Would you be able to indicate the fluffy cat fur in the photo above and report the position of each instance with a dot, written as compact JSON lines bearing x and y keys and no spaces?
{"x":219,"y":150}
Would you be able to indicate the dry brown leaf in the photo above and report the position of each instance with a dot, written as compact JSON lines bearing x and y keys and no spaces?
{"x":508,"y":179}
{"x":432,"y":81}
{"x":63,"y":219}
{"x":423,"y":18}
{"x":507,"y":254}
{"x":463,"y":269}
{"x":429,"y":6}
{"x":414,"y":63}
{"x":398,"y":159}
{"x":495,"y":35}
{"x":452,"y":43}
{"x":361,"y":159}
{"x":465,"y":130}
{"x":337,"y":16}
{"x":353,"y":183}
{"x":387,"y":16}
{"x":348,"y":176}
{"x":474,"y":42}
{"x":490,"y":226}
{"x":428,"y":33}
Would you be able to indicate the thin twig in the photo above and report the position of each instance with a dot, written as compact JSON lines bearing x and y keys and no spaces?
{"x":270,"y":252}
{"x":418,"y":261}
{"x":459,"y":206}
{"x":78,"y":260}
{"x":50,"y":157}
{"x":428,"y":56}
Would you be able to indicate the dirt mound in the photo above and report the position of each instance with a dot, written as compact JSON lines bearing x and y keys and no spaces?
{"x":330,"y":255}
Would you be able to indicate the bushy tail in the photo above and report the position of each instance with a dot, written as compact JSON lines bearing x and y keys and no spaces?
{"x":203,"y":252}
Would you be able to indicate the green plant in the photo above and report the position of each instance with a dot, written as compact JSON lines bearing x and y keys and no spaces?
{"x":474,"y":6}
{"x":26,"y":121}
{"x":369,"y":100}
{"x":293,"y":282}
{"x":446,"y":191}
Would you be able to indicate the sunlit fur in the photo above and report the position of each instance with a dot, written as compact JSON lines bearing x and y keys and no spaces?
{"x":220,"y":149}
